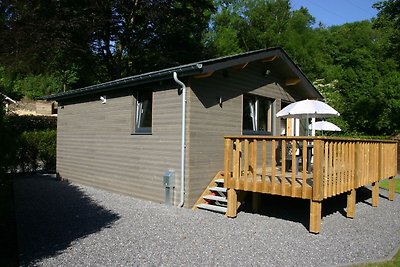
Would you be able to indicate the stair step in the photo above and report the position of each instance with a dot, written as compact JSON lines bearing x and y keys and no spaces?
{"x":215,"y":198}
{"x":218,"y":189}
{"x":220,"y":181}
{"x":213,"y":208}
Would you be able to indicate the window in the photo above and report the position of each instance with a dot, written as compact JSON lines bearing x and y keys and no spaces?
{"x":257,"y":115}
{"x":144,"y":110}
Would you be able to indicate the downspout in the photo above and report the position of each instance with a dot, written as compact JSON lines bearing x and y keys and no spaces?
{"x":183,"y":138}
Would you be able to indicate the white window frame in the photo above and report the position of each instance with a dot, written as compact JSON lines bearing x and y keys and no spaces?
{"x":255,"y":114}
{"x":142,"y":109}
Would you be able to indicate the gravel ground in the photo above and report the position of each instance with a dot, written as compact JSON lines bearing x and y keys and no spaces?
{"x":64,"y":224}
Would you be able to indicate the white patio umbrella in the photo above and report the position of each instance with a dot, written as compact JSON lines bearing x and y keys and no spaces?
{"x":324,"y":126}
{"x":308,"y":109}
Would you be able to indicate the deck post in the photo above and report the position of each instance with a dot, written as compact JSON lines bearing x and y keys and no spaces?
{"x":375,"y":194}
{"x":351,"y":203}
{"x":315,"y":216}
{"x":317,"y":189}
{"x":227,"y":161}
{"x":391,"y":188}
{"x":232,"y":203}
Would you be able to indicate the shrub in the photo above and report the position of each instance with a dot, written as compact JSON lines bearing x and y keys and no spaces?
{"x":27,"y":123}
{"x":28,"y":143}
{"x":36,"y":150}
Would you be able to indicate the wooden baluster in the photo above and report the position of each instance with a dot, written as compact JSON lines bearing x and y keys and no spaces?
{"x":273,"y":165}
{"x":326,"y":170}
{"x":246,"y":166}
{"x":283,"y":166}
{"x":349,"y":165}
{"x":381,"y":162}
{"x":352,"y":165}
{"x":236,"y":163}
{"x":304,"y":170}
{"x":331,"y":170}
{"x":334,"y":167}
{"x":339,"y":168}
{"x":254,"y":162}
{"x":294,"y":168}
{"x":358,"y":163}
{"x":342,"y":168}
{"x":264,"y":162}
{"x":366,"y":164}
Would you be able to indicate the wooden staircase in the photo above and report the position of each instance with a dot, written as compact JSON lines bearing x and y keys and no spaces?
{"x":214,"y":196}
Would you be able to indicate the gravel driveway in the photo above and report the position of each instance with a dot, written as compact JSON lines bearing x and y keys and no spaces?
{"x":64,"y":224}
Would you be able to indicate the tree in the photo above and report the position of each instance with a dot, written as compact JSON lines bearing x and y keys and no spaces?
{"x":366,"y":78}
{"x":137,"y":36}
{"x":388,"y":20}
{"x":245,"y":25}
{"x":104,"y":39}
{"x":38,"y":36}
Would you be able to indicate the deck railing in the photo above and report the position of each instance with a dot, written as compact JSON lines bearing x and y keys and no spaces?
{"x":313,"y":168}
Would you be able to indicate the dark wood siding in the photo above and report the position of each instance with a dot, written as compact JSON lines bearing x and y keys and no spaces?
{"x":96,"y":147}
{"x":208,"y":122}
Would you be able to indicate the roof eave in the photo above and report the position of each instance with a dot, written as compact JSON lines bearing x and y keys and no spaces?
{"x":182,"y":71}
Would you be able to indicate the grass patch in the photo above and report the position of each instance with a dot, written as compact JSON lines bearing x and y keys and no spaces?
{"x":395,"y":262}
{"x":8,"y":232}
{"x":385,"y":184}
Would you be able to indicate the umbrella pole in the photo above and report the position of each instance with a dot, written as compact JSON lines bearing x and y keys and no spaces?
{"x":313,"y":126}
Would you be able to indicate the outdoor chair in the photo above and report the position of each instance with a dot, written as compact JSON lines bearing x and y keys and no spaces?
{"x":288,"y":155}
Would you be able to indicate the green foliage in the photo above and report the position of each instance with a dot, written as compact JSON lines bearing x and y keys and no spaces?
{"x":388,"y":21}
{"x":27,"y":142}
{"x":103,"y":40}
{"x":350,"y":63}
{"x":6,"y":82}
{"x":28,"y":123}
{"x":36,"y":86}
{"x":35,"y":149}
{"x":244,"y":25}
{"x":68,"y":77}
{"x":366,"y":79}
{"x":5,"y":142}
{"x":385,"y":184}
{"x":86,"y":42}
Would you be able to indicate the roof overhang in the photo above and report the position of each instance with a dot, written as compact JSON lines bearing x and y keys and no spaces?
{"x":275,"y":57}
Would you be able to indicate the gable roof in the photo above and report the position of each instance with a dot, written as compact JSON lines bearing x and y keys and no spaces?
{"x":281,"y":62}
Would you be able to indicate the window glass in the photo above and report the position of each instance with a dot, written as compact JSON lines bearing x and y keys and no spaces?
{"x":249,"y":123}
{"x":257,"y":115}
{"x":144,"y":108}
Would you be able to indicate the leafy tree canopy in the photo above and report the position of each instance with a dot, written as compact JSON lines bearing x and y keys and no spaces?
{"x":51,"y":46}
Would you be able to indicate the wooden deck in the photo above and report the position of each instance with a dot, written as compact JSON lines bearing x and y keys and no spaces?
{"x":314,"y":168}
{"x":271,"y":183}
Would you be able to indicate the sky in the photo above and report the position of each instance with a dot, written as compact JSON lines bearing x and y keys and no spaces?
{"x":337,"y":12}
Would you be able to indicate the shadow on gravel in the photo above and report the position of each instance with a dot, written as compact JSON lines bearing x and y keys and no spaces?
{"x":52,"y":214}
{"x":298,"y":210}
